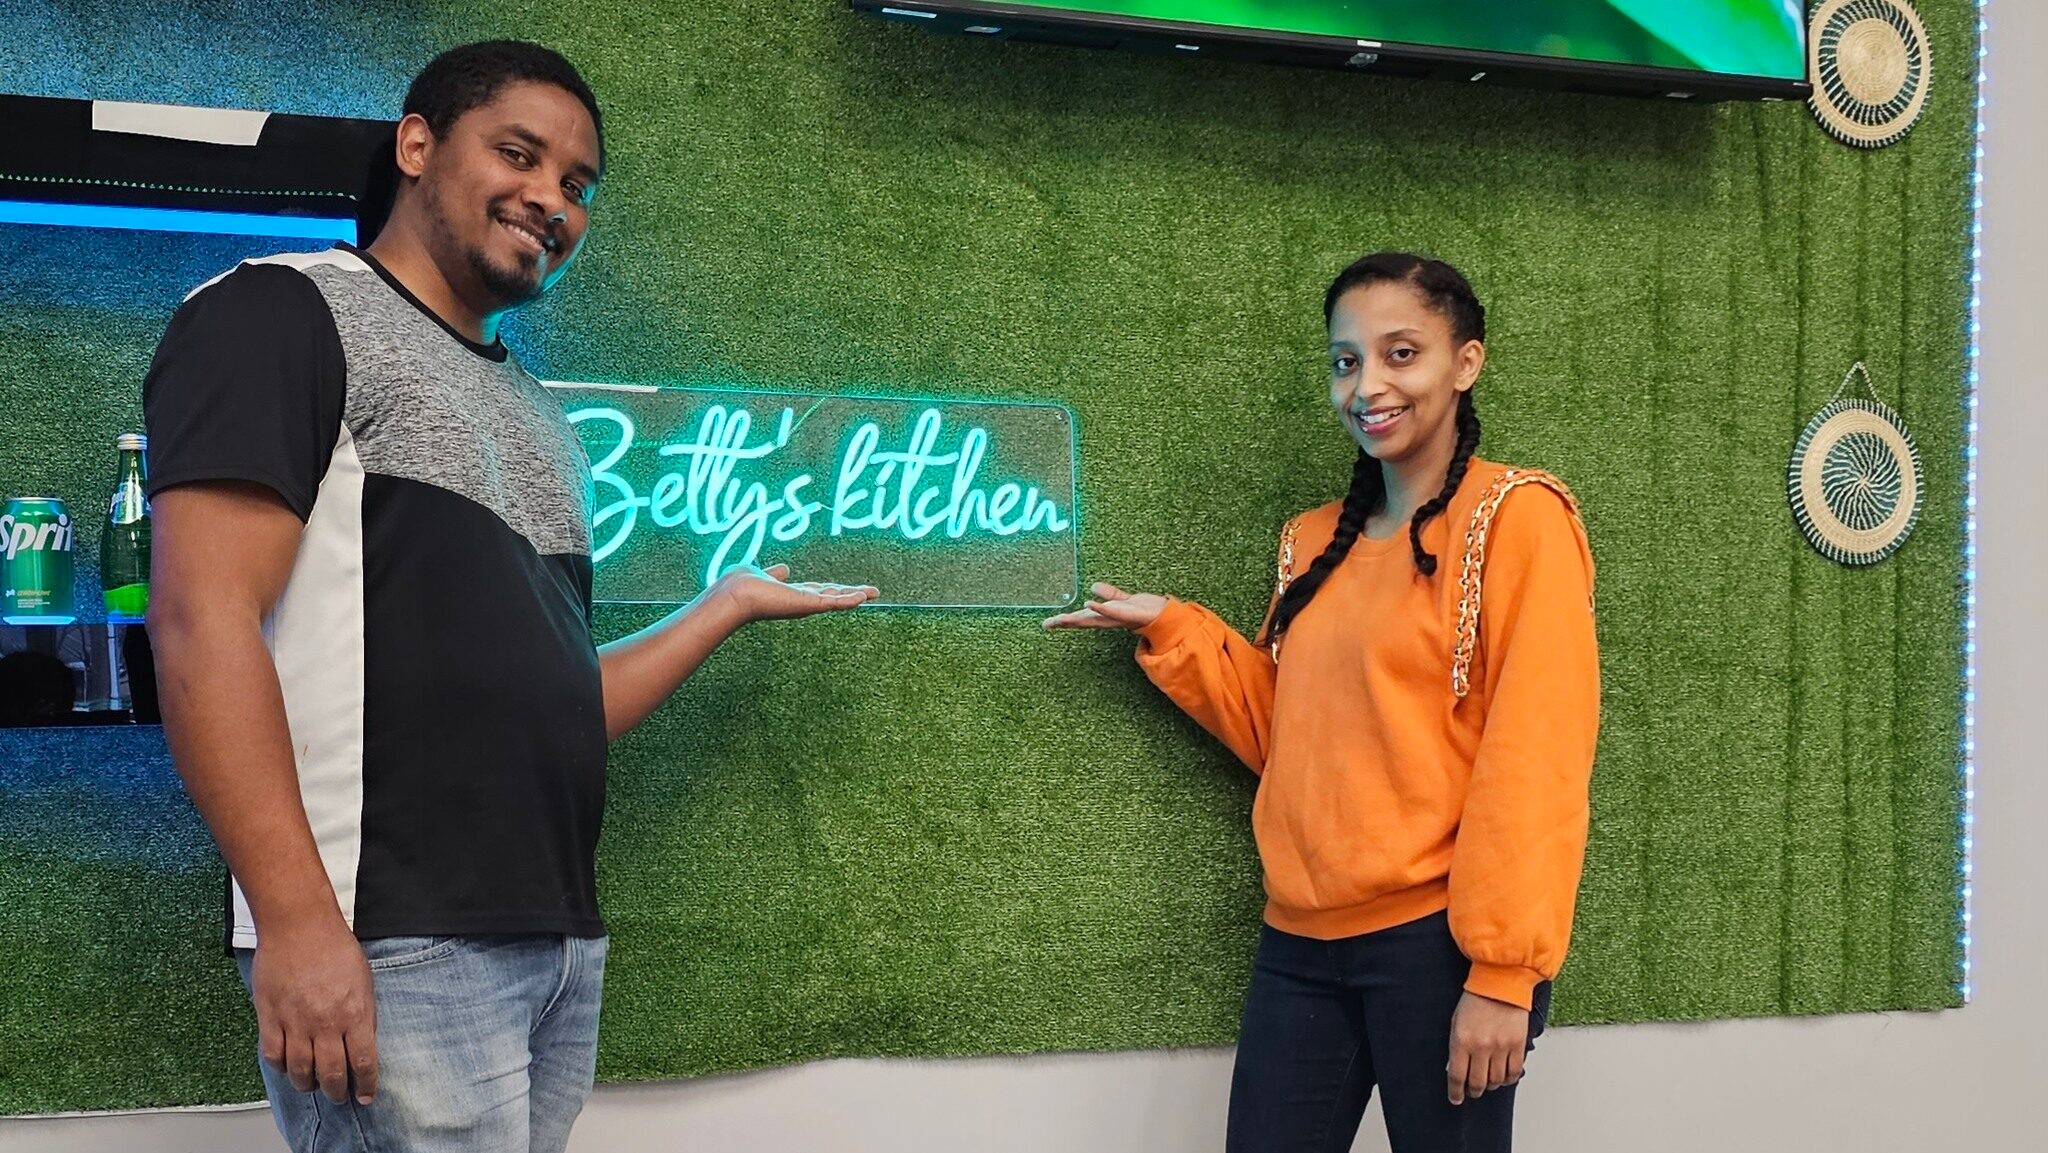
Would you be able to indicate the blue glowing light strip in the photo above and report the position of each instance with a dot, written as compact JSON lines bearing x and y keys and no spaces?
{"x":1969,"y":819}
{"x":177,"y":220}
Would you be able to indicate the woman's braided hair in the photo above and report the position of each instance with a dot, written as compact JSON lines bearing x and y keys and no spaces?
{"x":1450,"y":294}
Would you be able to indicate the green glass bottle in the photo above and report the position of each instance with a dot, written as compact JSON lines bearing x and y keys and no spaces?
{"x":124,"y":546}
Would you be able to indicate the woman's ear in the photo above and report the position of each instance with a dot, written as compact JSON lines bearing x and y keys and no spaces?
{"x":1471,"y":358}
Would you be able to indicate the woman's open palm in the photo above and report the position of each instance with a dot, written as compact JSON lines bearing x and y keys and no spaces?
{"x":1112,"y":608}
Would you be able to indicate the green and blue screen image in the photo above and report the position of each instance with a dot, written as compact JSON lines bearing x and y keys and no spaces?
{"x":937,"y":503}
{"x":1731,"y":37}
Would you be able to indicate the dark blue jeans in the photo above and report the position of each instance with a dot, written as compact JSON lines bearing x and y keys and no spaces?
{"x":1327,"y":1021}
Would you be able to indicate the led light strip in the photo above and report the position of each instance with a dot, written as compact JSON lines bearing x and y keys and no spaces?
{"x":1969,"y":749}
{"x":177,"y":220}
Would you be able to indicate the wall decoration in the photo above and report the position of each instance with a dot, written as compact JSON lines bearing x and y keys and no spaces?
{"x":1871,"y":69}
{"x":1854,"y":480}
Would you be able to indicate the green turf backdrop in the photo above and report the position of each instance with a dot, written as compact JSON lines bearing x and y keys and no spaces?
{"x":935,"y":833}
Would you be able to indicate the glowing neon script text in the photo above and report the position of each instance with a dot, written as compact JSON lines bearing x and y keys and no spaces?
{"x":913,"y":492}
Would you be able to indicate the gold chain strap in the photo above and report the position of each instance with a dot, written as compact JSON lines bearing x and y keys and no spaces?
{"x":1472,"y":571}
{"x":1286,"y":576}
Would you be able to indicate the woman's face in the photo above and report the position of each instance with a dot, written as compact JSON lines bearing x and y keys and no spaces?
{"x":1396,"y":370}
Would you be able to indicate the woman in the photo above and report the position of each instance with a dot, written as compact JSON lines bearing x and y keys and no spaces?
{"x":1421,"y":708}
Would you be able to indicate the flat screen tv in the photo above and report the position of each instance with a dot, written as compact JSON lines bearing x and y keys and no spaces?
{"x":1680,"y":49}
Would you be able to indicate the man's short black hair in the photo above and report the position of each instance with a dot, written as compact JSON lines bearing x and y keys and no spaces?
{"x":469,"y":77}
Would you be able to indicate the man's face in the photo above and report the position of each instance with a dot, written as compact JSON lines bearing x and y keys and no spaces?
{"x":507,"y":194}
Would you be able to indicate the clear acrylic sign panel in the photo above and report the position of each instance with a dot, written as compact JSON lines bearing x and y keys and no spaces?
{"x":937,"y":503}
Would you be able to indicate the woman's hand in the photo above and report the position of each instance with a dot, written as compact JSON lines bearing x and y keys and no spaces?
{"x":1112,"y":608}
{"x":1489,"y":1040}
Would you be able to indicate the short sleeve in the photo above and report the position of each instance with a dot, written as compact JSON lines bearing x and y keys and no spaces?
{"x":247,"y":384}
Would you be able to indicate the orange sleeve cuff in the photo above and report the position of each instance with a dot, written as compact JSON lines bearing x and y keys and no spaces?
{"x":1512,"y":984}
{"x":1175,"y":625}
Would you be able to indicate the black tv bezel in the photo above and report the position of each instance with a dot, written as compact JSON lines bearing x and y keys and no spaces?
{"x":1370,"y":57}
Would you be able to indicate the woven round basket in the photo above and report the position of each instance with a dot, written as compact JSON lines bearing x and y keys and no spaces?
{"x":1854,"y":481}
{"x":1870,"y":67}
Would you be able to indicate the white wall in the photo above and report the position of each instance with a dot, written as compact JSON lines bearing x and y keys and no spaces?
{"x":1966,"y":1080}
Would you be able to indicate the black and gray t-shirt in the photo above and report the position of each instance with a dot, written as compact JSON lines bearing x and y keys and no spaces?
{"x":433,"y":641}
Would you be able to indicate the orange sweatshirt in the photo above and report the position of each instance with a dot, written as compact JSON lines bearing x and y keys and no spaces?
{"x":1385,"y":795}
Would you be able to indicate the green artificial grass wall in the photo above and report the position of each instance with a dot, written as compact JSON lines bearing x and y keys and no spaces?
{"x":934,"y":833}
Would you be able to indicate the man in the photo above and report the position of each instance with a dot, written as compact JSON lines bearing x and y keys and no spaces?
{"x":371,"y":607}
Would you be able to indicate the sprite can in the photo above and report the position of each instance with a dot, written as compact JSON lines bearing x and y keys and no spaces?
{"x":35,"y":583}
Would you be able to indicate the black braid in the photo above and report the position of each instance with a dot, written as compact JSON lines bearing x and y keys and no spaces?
{"x":1450,"y":294}
{"x":1468,"y":443}
{"x":1366,"y":496}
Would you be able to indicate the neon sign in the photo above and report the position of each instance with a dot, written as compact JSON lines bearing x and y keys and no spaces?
{"x":912,"y":496}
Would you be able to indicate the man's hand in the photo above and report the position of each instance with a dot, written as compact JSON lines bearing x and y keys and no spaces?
{"x":316,"y":1013}
{"x":640,"y":671}
{"x":1489,"y":1040}
{"x":765,"y":594}
{"x":221,"y":555}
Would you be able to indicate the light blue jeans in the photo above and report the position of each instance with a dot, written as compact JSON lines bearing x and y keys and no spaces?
{"x":483,"y":1044}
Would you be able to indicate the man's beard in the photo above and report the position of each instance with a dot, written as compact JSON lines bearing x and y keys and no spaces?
{"x":508,"y":288}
